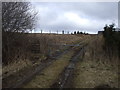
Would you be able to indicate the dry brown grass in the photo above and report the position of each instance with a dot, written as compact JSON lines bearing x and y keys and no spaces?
{"x":95,"y":51}
{"x":96,"y":69}
{"x":18,"y":65}
{"x":15,"y":67}
{"x":89,"y":74}
{"x":48,"y":76}
{"x":59,"y":38}
{"x":25,"y":56}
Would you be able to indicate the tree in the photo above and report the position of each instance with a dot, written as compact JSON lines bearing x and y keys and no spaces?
{"x":17,"y":17}
{"x":78,"y":32}
{"x":81,"y":32}
{"x":112,"y":40}
{"x":74,"y":32}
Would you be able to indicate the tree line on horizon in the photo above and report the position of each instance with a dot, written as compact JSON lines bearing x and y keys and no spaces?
{"x":63,"y":32}
{"x":79,"y":32}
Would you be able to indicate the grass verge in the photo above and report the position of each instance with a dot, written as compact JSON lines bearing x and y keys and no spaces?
{"x":89,"y":74}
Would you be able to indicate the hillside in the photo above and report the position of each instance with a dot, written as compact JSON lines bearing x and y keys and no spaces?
{"x":92,"y":68}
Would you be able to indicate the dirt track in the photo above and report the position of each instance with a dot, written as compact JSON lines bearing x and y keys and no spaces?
{"x":63,"y":77}
{"x":15,"y":81}
{"x":66,"y":77}
{"x":18,"y":80}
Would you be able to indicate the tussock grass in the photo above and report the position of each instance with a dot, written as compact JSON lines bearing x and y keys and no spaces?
{"x":96,"y":68}
{"x":90,"y":74}
{"x":14,"y":67}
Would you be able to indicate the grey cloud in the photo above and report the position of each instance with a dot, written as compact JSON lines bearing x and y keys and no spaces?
{"x":100,"y":10}
{"x":52,"y":15}
{"x":105,"y":10}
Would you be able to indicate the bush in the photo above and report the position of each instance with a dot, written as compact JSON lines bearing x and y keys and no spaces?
{"x":112,"y":40}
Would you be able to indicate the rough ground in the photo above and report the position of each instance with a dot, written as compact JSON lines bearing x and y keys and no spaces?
{"x":96,"y":69}
{"x":51,"y":74}
{"x":46,"y":78}
{"x":89,"y":74}
{"x":24,"y":73}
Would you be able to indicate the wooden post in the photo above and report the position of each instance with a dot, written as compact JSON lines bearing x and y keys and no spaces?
{"x":41,"y":31}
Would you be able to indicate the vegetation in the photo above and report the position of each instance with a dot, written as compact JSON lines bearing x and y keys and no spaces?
{"x":112,"y":40}
{"x":17,"y":18}
{"x":25,"y":57}
{"x":18,"y":45}
{"x":89,"y":74}
{"x":96,"y":68}
{"x":48,"y":76}
{"x":78,"y":32}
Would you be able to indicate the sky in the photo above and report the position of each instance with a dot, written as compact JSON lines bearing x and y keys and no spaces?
{"x":89,"y":17}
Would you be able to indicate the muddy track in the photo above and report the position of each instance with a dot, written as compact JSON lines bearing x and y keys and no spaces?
{"x":66,"y":77}
{"x":28,"y":76}
{"x":38,"y":70}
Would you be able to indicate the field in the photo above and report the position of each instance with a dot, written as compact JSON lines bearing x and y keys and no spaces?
{"x":60,"y":45}
{"x":27,"y":60}
{"x":92,"y":67}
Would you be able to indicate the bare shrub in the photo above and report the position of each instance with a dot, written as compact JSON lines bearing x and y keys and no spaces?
{"x":95,"y":51}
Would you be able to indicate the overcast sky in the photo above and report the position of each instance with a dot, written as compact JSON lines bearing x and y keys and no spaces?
{"x":88,"y":17}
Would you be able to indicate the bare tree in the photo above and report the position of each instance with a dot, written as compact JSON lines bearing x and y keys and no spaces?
{"x":17,"y":17}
